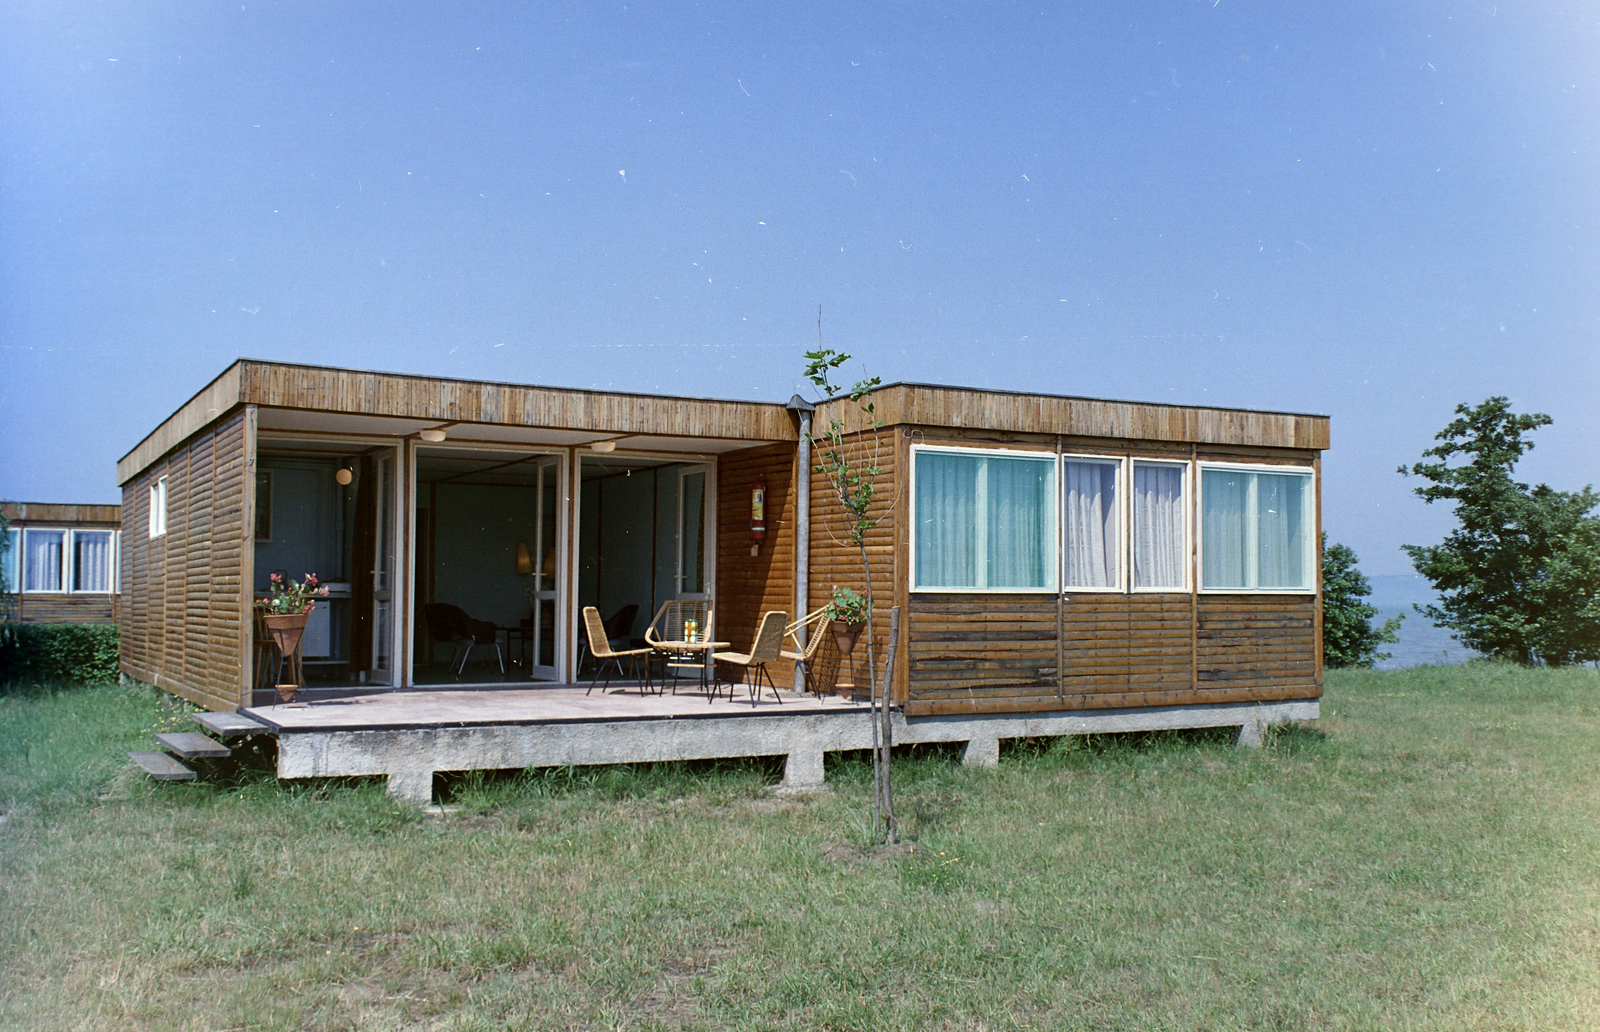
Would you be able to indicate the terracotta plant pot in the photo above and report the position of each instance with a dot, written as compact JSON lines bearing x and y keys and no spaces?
{"x":845,"y":635}
{"x":286,"y":629}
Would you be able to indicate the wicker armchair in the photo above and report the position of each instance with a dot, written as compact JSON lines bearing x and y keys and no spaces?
{"x":605,"y":656}
{"x":815,"y":626}
{"x":767,"y":648}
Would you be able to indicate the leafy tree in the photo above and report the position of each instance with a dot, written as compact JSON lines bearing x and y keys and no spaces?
{"x":851,"y":473}
{"x":1519,"y":578}
{"x":1348,"y":637}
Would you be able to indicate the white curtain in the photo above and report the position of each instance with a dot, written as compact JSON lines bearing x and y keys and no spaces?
{"x":41,"y":562}
{"x":947,"y":527}
{"x":1158,"y":520}
{"x":1021,"y":522}
{"x":984,"y":521}
{"x":91,"y":560}
{"x":1091,"y":524}
{"x":1224,"y":501}
{"x":1280,"y":540}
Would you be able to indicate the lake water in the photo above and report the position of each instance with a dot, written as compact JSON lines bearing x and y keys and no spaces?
{"x":1420,"y":641}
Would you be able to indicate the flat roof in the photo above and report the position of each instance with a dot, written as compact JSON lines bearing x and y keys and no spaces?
{"x":401,"y":404}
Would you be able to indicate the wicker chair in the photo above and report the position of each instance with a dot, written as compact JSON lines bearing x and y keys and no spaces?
{"x":600,"y":648}
{"x":767,"y":648}
{"x":815,"y":625}
{"x":669,"y":626}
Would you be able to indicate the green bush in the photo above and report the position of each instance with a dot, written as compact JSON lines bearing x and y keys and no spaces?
{"x":42,"y":654}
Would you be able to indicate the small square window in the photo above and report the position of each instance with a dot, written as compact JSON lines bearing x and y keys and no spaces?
{"x":158,"y":508}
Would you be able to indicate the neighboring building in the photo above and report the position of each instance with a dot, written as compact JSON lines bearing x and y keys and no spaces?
{"x":1048,"y":553}
{"x":62,"y":563}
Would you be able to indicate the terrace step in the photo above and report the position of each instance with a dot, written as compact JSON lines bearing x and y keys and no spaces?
{"x":193,"y":745}
{"x":228,"y":725}
{"x":161,"y":766}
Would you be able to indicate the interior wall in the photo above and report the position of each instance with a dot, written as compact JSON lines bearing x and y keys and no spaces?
{"x":475,"y":533}
{"x":308,"y":521}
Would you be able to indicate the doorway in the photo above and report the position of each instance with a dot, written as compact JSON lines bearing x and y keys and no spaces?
{"x":487,"y":569}
{"x":646,"y":534}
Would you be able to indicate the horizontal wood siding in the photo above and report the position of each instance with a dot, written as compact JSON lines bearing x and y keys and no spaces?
{"x":748,"y":586}
{"x":1259,"y":642}
{"x":52,"y":609}
{"x":182,"y":623}
{"x":995,"y":654}
{"x":835,"y":561}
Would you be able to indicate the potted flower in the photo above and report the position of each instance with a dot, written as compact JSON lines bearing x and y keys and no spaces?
{"x":285,"y":611}
{"x":848,"y":613}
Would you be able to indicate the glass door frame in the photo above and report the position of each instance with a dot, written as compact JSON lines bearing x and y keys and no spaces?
{"x":399,"y":530}
{"x":688,"y":462}
{"x":563,"y":545}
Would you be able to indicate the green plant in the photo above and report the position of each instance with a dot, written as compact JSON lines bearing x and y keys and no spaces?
{"x":285,"y":597}
{"x":39,"y":655}
{"x":848,"y":606}
{"x":1519,"y":577}
{"x":1348,"y":637}
{"x":852,"y":480}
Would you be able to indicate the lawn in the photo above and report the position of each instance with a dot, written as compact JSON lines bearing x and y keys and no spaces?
{"x":1423,"y":857}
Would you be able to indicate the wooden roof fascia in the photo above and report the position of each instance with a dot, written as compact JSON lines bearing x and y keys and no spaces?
{"x":215,"y":400}
{"x":975,"y":409}
{"x":402,"y":396}
{"x":55,"y":512}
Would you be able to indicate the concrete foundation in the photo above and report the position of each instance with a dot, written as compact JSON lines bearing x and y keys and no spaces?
{"x":410,"y":756}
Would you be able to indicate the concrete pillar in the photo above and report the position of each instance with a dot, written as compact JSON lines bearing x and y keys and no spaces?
{"x":1250,"y":734}
{"x":414,"y":786}
{"x":982,"y":752}
{"x":803,"y":769}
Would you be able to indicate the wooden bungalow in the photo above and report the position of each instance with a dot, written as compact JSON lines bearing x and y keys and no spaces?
{"x":61,"y":565}
{"x":1054,"y":558}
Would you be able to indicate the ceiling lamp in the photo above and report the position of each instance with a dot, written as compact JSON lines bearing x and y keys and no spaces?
{"x":343,"y":476}
{"x":603,"y":446}
{"x":433,"y":436}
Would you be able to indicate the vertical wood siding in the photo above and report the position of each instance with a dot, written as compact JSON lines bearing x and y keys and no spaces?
{"x":182,"y":623}
{"x":747,"y":585}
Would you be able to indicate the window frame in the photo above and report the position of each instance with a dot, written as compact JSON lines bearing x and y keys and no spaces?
{"x":158,"y":508}
{"x":67,"y":568}
{"x":1052,"y":536}
{"x":1311,"y":535}
{"x":1124,"y":464}
{"x":1189,"y":535}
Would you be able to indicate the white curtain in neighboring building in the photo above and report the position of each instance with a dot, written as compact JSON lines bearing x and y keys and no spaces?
{"x":91,"y":560}
{"x":41,"y":560}
{"x":1090,"y":534}
{"x":1158,"y":519}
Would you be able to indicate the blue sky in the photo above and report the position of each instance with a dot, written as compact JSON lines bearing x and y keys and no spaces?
{"x":1369,"y":210}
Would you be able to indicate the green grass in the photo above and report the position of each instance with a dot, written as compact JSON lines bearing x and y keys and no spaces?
{"x":1424,"y":857}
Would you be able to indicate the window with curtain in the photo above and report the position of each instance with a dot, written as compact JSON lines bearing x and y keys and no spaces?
{"x":43,"y":554}
{"x":92,"y":556}
{"x":1159,"y":517}
{"x":1091,"y":538}
{"x":158,"y":508}
{"x":984,"y":521}
{"x":1256,"y":530}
